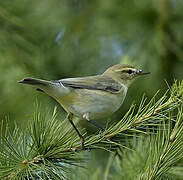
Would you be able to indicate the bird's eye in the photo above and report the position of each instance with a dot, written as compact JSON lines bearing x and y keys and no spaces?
{"x":129,"y":71}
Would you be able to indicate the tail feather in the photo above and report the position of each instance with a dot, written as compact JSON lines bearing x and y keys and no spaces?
{"x":33,"y":81}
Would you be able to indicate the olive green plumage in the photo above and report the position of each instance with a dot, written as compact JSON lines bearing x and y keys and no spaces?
{"x":90,"y":97}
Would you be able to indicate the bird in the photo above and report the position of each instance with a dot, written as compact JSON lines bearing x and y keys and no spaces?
{"x":91,"y":97}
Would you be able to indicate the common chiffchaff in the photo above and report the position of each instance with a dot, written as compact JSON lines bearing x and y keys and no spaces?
{"x":90,"y":97}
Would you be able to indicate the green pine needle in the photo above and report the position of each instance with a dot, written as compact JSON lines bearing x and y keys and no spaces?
{"x":49,"y":147}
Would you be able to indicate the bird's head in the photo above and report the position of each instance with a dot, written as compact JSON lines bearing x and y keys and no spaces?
{"x":124,"y":74}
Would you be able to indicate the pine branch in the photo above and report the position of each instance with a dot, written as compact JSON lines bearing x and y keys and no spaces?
{"x":48,"y":147}
{"x":156,"y":156}
{"x":171,"y":148}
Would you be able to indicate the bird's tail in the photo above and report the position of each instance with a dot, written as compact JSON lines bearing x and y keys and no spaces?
{"x":51,"y":88}
{"x":35,"y":82}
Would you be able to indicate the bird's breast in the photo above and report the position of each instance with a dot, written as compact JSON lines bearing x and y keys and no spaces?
{"x":95,"y":102}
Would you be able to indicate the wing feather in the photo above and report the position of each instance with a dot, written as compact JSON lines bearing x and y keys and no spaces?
{"x":103,"y":83}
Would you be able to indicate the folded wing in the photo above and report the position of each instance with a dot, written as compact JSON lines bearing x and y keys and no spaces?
{"x":103,"y":83}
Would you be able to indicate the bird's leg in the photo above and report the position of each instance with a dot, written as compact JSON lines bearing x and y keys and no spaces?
{"x":86,"y":116}
{"x":69,"y":117}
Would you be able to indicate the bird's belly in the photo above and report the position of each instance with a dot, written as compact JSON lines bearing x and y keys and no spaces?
{"x":97,"y":104}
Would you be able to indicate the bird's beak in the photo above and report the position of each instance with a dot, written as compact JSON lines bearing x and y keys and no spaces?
{"x":141,"y":72}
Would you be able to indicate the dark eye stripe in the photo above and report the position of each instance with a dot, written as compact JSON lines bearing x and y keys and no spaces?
{"x":129,"y":71}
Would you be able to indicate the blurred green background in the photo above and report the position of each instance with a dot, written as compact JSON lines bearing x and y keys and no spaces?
{"x":54,"y":39}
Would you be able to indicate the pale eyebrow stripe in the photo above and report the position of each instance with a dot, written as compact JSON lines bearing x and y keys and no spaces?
{"x":125,"y":69}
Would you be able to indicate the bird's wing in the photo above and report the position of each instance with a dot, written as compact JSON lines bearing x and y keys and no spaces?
{"x":100,"y":82}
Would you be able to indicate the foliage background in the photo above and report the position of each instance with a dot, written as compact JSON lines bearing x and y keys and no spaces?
{"x":54,"y":39}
